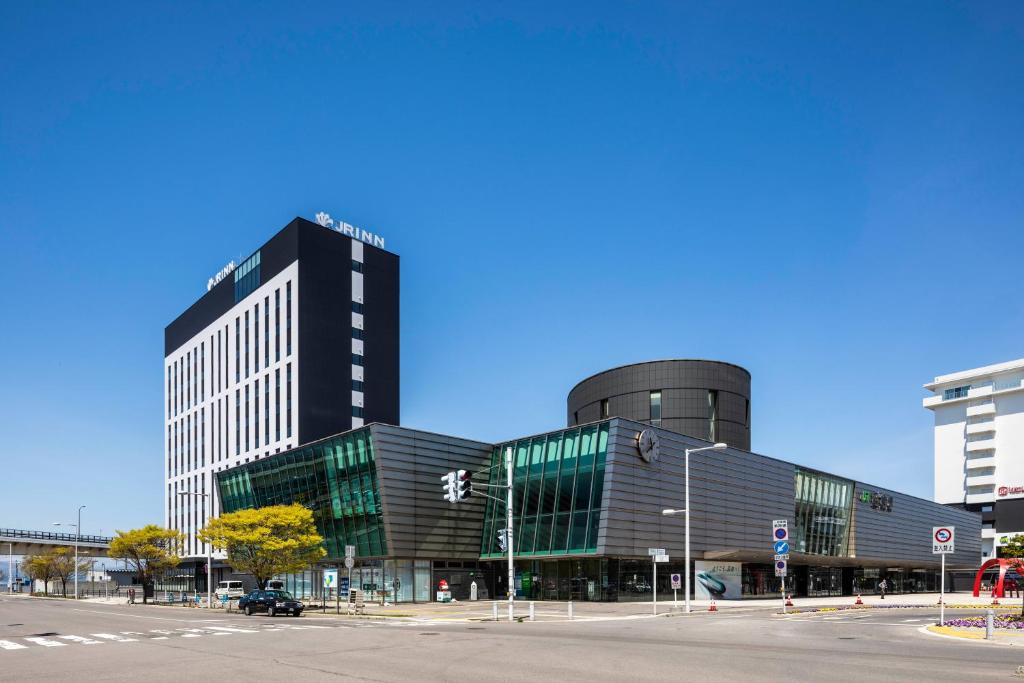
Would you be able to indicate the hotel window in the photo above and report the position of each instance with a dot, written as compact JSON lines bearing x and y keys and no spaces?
{"x":266,"y":409}
{"x":188,"y":379}
{"x":202,"y":437}
{"x":357,"y":359}
{"x":357,"y":333}
{"x":656,"y":408}
{"x":238,"y":426}
{"x":256,"y":411}
{"x":712,"y":415}
{"x":277,"y":325}
{"x":266,"y":331}
{"x":958,"y":392}
{"x":217,"y":377}
{"x":357,"y":307}
{"x":247,"y":277}
{"x":238,"y":351}
{"x":288,"y":318}
{"x":288,"y":398}
{"x":188,"y":443}
{"x":604,"y":408}
{"x":202,"y":370}
{"x":245,"y":423}
{"x":357,"y":411}
{"x":357,"y":266}
{"x":277,"y":404}
{"x":247,"y":343}
{"x":256,"y":339}
{"x":357,"y":385}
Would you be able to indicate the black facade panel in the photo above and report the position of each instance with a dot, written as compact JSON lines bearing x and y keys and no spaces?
{"x":324,"y":332}
{"x":1009,"y":514}
{"x":276,"y":255}
{"x":381,"y":336}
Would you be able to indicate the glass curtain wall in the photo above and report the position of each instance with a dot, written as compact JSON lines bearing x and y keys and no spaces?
{"x":558,"y":480}
{"x":824,"y":507}
{"x":335,"y":478}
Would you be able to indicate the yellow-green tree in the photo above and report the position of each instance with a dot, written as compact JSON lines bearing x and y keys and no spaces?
{"x":39,"y":568}
{"x":62,"y":560}
{"x":266,"y":541}
{"x":149,"y":551}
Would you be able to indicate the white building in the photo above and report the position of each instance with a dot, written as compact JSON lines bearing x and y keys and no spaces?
{"x":297,"y":343}
{"x":979,"y":446}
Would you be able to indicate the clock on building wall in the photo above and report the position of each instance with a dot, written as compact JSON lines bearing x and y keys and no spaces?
{"x":649,"y":445}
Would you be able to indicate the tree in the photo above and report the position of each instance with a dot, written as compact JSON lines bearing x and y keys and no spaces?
{"x":39,"y":568}
{"x":63,"y":563}
{"x":149,"y":551}
{"x":1014,"y":549}
{"x":266,"y":541}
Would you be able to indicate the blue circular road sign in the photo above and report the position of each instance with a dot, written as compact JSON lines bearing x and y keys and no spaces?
{"x":781,"y":547}
{"x":781,"y":534}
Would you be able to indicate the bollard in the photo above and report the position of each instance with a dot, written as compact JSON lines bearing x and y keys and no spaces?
{"x":495,"y":610}
{"x":511,"y":611}
{"x":531,"y":610}
{"x":570,"y":609}
{"x":989,"y":624}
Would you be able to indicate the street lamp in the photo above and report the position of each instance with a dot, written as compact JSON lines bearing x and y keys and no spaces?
{"x":209,"y":549}
{"x":686,"y":511}
{"x":10,"y":567}
{"x":78,"y":534}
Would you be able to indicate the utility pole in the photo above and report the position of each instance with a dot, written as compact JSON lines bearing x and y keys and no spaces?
{"x":509,"y":543}
{"x":78,"y":535}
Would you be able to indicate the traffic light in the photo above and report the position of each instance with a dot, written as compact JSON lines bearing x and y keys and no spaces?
{"x":465,"y":485}
{"x":449,"y":484}
{"x":502,"y":540}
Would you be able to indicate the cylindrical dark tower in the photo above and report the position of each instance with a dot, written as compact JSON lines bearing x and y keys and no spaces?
{"x":703,"y":398}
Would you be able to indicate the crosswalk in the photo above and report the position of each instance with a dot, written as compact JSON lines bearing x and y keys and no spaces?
{"x":56,"y":640}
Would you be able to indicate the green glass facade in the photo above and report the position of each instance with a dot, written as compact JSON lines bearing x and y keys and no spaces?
{"x":335,"y":478}
{"x":824,"y":510}
{"x":558,"y":482}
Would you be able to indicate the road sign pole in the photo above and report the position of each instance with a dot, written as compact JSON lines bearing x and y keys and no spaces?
{"x":508,"y":525}
{"x":654,"y":587}
{"x":942,"y":591}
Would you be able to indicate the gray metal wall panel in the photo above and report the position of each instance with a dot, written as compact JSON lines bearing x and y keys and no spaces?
{"x":905,"y":533}
{"x":684,"y":386}
{"x":419,"y":523}
{"x":736,"y":494}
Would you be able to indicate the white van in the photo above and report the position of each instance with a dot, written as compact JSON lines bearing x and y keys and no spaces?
{"x":275,"y":585}
{"x":232,"y":589}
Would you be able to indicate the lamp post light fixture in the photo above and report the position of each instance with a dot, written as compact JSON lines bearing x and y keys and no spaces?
{"x":686,"y":512}
{"x":209,"y":548}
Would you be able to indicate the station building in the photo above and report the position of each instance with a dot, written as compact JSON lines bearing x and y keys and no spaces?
{"x":588,"y":505}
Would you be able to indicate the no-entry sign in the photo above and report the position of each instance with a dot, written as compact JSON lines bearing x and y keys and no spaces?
{"x":942,"y":540}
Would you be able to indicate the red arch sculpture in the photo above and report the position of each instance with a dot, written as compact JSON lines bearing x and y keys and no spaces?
{"x":1003,"y":564}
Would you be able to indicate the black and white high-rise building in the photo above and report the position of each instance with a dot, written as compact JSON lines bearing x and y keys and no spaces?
{"x":298,"y":342}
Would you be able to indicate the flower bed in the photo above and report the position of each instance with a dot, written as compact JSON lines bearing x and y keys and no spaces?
{"x":844,"y":608}
{"x":1015,"y":622}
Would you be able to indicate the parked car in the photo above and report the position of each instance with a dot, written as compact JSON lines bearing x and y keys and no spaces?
{"x":272,"y":602}
{"x":232,"y":589}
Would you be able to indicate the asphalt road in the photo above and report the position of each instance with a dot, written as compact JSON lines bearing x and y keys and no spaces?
{"x":62,"y":641}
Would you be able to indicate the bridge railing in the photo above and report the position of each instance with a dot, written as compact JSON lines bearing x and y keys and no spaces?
{"x":53,"y":536}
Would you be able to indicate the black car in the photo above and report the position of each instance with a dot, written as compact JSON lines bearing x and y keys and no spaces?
{"x":272,"y":602}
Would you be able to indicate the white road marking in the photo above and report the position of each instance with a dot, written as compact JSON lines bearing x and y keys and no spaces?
{"x":45,"y":642}
{"x":231,"y":629}
{"x":116,"y":638}
{"x":8,"y":645}
{"x":82,"y":640}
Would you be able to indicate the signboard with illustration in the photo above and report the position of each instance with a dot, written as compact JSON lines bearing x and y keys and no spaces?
{"x":718,"y":580}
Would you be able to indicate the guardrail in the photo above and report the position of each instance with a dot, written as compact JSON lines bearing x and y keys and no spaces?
{"x":53,"y":536}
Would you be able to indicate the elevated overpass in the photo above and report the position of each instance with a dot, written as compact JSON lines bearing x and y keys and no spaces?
{"x":24,"y":542}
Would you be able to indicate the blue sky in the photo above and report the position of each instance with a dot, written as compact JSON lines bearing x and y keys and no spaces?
{"x":829,"y":195}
